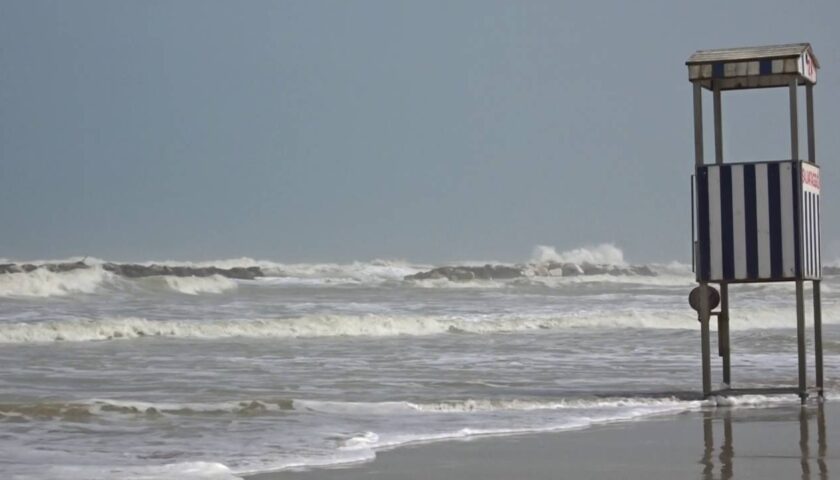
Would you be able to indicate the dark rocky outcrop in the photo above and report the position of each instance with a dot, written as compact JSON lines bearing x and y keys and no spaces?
{"x":504,"y":272}
{"x":138,"y":271}
{"x":466,"y":273}
{"x":52,"y":267}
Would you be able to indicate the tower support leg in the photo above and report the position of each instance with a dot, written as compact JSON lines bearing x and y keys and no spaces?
{"x":705,"y":314}
{"x":818,"y":346}
{"x":800,"y":341}
{"x":723,"y":332}
{"x":794,"y":122}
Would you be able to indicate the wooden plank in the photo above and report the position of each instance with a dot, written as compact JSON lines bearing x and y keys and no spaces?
{"x":723,"y":333}
{"x":748,"y":53}
{"x":800,"y":341}
{"x":704,"y":341}
{"x":809,"y":102}
{"x":718,"y":124}
{"x":794,"y":121}
{"x":698,"y":125}
{"x":818,"y":346}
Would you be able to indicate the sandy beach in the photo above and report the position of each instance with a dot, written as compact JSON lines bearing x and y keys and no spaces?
{"x":779,"y":442}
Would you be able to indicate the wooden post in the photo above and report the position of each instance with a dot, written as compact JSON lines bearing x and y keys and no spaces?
{"x":818,"y":346}
{"x":800,"y":341}
{"x":705,"y":314}
{"x":794,"y":122}
{"x":698,"y":125}
{"x":718,"y":125}
{"x":809,"y":103}
{"x":723,"y":332}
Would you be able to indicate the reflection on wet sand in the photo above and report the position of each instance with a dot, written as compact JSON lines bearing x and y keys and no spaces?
{"x":727,"y":456}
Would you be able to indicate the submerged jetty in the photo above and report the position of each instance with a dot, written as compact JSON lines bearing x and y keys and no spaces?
{"x":506,"y":272}
{"x":132,"y":270}
{"x":454,"y":273}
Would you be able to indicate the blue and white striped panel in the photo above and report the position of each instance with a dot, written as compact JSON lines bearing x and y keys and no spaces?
{"x":810,"y":175}
{"x":748,"y":220}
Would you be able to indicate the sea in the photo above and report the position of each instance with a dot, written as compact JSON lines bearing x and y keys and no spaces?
{"x":319,"y":365}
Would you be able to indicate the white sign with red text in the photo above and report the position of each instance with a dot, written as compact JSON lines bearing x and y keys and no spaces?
{"x":810,"y":178}
{"x":807,"y":67}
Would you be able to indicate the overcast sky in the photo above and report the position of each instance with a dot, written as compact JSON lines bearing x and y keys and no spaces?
{"x":352,"y":130}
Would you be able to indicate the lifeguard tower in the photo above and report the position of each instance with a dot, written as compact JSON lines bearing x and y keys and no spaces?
{"x":755,"y":221}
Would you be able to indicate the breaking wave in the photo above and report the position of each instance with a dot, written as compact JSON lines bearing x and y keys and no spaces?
{"x":181,"y":471}
{"x":352,"y":447}
{"x":604,"y":254}
{"x":197,"y":285}
{"x":44,"y":283}
{"x":313,"y":326}
{"x":546,"y":268}
{"x":79,"y":410}
{"x":589,"y":413}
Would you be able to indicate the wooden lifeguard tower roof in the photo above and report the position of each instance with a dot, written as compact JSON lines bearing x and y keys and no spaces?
{"x":753,"y":67}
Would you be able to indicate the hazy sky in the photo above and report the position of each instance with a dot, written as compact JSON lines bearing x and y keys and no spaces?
{"x":351,"y":130}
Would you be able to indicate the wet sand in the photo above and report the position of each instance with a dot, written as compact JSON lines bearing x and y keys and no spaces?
{"x":782,"y":442}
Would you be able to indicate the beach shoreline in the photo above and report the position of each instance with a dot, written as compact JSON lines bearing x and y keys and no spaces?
{"x":779,"y":441}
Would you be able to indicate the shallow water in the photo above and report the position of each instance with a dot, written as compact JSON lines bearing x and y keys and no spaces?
{"x":106,"y":377}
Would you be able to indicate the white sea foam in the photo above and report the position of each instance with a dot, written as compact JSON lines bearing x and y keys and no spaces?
{"x":196,"y":285}
{"x":372,"y":273}
{"x":479,"y":405}
{"x":589,"y":413}
{"x":43,"y":283}
{"x":603,"y":254}
{"x":749,"y":401}
{"x":363,"y":446}
{"x":112,"y":407}
{"x":106,"y":407}
{"x":180,"y":471}
{"x":374,"y":441}
{"x":80,"y":330}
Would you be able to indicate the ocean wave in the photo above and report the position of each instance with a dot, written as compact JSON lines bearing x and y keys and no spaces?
{"x":181,"y":471}
{"x":44,"y":283}
{"x":80,"y":410}
{"x":596,"y":262}
{"x":595,"y":413}
{"x":85,"y":409}
{"x":481,"y":405}
{"x":197,"y":285}
{"x":312,"y":326}
{"x":354,"y":447}
{"x":600,"y":264}
{"x":603,"y":254}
